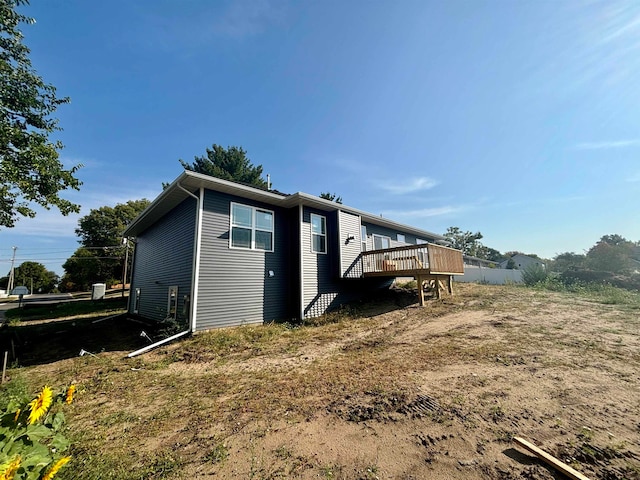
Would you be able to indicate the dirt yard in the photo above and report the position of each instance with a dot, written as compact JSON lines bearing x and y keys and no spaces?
{"x":397,"y":392}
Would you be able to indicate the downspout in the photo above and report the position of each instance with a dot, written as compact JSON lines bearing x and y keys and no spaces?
{"x":194,"y":277}
{"x":195,"y":282}
{"x":157,"y":344}
{"x":196,"y":255}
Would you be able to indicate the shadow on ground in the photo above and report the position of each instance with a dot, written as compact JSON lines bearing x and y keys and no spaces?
{"x":385,"y":301}
{"x":37,"y":344}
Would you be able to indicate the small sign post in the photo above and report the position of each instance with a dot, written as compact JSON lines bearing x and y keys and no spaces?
{"x":21,"y":291}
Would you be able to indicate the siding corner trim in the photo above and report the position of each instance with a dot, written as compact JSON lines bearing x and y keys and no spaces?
{"x":301,"y":259}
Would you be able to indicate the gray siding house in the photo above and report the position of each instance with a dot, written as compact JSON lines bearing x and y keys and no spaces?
{"x":212,"y":253}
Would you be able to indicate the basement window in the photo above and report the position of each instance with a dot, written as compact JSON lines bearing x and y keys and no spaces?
{"x":251,"y":228}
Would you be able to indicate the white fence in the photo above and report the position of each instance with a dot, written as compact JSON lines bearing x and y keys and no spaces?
{"x":494,"y":276}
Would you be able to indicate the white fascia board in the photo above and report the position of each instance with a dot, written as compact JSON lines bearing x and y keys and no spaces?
{"x":172,"y":196}
{"x":164,"y":195}
{"x":328,"y":205}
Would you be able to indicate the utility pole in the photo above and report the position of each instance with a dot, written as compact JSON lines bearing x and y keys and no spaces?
{"x":124,"y":268}
{"x":10,"y":284}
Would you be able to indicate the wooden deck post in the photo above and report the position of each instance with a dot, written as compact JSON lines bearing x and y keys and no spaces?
{"x":419,"y":281}
{"x":450,"y":284}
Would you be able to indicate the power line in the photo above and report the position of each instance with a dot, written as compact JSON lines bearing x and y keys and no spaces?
{"x":19,"y":259}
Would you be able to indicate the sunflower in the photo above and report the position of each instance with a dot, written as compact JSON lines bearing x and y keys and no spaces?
{"x":69,"y":395}
{"x":56,"y":466}
{"x":8,"y":470}
{"x":40,"y":405}
{"x":18,"y":412}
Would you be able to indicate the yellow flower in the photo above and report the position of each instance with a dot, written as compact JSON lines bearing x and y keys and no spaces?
{"x":8,"y":470}
{"x":15,"y":419}
{"x":40,"y":405}
{"x":69,"y":396}
{"x":56,"y":466}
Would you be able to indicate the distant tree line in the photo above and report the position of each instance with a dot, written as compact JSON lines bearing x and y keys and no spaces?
{"x":34,"y":276}
{"x":613,"y":259}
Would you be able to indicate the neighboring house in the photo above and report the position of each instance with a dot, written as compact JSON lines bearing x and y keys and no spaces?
{"x":521,"y":261}
{"x":479,"y":262}
{"x":215,"y":253}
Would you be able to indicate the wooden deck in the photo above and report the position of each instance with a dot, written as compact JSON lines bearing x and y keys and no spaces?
{"x":431,"y":265}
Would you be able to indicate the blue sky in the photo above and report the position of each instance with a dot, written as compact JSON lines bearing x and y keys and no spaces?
{"x":517,"y":119}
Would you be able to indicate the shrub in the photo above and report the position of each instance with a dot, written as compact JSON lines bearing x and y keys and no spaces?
{"x":629,"y":282}
{"x":534,"y":274}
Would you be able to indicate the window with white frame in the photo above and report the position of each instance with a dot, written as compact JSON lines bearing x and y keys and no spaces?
{"x":363,"y":238}
{"x":401,"y":238}
{"x":420,"y":241}
{"x":251,"y":228}
{"x":318,"y":233}
{"x":380,"y":242}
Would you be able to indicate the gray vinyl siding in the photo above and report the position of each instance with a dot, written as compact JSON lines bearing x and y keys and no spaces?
{"x":349,"y":226}
{"x":164,"y":258}
{"x":323,"y":289}
{"x":319,"y":289}
{"x":234,"y":287}
{"x":392,"y":234}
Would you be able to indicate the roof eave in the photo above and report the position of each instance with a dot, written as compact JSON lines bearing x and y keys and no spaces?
{"x":193,"y":181}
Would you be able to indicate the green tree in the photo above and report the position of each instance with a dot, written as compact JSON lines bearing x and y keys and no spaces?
{"x":103,"y":226}
{"x":605,"y":257}
{"x":332,"y":197}
{"x":616,"y":240}
{"x":101,"y":256}
{"x":86,"y":267}
{"x":492,"y":254}
{"x":34,"y":274}
{"x":468,"y":242}
{"x":567,"y":261}
{"x":30,"y":170}
{"x":229,"y":164}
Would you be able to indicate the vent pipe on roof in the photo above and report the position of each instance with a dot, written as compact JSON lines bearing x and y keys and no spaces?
{"x":268,"y":182}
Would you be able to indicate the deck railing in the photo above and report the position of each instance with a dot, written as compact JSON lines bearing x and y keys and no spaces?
{"x":431,"y":257}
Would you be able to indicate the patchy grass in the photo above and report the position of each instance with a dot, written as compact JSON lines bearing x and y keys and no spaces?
{"x":378,"y":391}
{"x":67,"y":310}
{"x":597,"y":292}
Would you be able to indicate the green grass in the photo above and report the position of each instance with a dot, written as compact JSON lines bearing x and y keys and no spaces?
{"x":597,"y":292}
{"x":97,"y":465}
{"x":67,"y":309}
{"x":16,"y":389}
